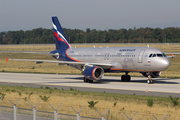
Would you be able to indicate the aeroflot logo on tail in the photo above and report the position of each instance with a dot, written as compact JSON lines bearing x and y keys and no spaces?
{"x":127,"y":50}
{"x":59,"y":34}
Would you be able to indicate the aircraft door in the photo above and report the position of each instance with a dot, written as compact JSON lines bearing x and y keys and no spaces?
{"x":140,"y":57}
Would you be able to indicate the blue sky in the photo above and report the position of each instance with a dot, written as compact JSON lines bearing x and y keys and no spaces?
{"x":94,"y":14}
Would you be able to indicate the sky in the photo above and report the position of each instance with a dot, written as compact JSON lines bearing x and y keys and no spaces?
{"x":93,"y":14}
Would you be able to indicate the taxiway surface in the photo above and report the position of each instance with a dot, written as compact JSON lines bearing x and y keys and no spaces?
{"x":110,"y":84}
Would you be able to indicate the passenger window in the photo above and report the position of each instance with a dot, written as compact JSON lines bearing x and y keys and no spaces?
{"x":150,"y":55}
{"x":154,"y":55}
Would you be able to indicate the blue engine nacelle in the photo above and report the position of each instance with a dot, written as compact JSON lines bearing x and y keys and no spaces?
{"x":93,"y":73}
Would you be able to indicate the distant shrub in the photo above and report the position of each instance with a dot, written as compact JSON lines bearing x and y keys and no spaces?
{"x":71,"y":89}
{"x":115,"y":103}
{"x":33,"y":67}
{"x":55,"y":88}
{"x":92,"y":103}
{"x":13,"y":90}
{"x":150,"y":102}
{"x":19,"y":93}
{"x":174,"y":100}
{"x":25,"y":99}
{"x":41,"y":87}
{"x":7,"y":90}
{"x":30,"y":95}
{"x":45,"y":98}
{"x":47,"y":87}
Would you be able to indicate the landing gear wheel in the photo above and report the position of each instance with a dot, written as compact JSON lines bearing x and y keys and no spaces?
{"x":90,"y":81}
{"x":126,"y":78}
{"x":150,"y":81}
{"x":123,"y":78}
{"x":85,"y":80}
{"x":149,"y":78}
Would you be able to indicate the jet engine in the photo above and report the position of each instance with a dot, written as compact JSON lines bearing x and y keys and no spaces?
{"x":93,"y":73}
{"x":153,"y":74}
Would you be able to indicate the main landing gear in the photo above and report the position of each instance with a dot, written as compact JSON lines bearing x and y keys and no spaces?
{"x":149,"y":81}
{"x":126,"y":77}
{"x":87,"y":80}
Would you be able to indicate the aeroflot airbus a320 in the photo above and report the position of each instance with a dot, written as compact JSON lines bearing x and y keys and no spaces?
{"x":94,"y":62}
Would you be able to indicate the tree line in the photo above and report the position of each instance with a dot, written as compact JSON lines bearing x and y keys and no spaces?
{"x":140,"y":35}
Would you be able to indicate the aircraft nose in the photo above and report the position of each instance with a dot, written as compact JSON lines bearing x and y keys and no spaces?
{"x":165,"y":63}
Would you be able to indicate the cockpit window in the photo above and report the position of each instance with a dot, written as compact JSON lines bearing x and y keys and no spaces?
{"x":164,"y":55}
{"x":159,"y":55}
{"x":154,"y":55}
{"x":150,"y":55}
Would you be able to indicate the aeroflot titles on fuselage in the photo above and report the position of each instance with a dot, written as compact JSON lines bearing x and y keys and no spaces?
{"x":127,"y":50}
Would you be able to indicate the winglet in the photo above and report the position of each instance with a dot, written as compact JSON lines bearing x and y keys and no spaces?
{"x":6,"y":59}
{"x":172,"y":55}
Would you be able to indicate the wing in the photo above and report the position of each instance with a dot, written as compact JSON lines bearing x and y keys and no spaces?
{"x":32,"y":52}
{"x":104,"y":65}
{"x":172,"y":54}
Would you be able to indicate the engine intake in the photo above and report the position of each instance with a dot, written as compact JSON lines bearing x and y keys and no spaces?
{"x":153,"y":74}
{"x":94,"y":73}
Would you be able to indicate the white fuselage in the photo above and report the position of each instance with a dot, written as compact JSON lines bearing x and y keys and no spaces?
{"x":125,"y":58}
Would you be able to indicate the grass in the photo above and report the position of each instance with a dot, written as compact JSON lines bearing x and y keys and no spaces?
{"x":124,"y":103}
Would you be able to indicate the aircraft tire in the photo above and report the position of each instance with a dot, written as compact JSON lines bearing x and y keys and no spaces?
{"x":90,"y":81}
{"x":128,"y":78}
{"x":149,"y":81}
{"x":85,"y":80}
{"x":123,"y":78}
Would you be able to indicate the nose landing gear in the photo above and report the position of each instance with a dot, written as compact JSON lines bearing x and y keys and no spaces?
{"x":149,"y":81}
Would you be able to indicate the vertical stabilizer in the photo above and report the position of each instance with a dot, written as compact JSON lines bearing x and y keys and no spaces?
{"x":60,"y":38}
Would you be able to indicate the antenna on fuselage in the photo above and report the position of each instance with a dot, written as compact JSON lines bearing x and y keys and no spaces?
{"x":94,"y":46}
{"x":147,"y":45}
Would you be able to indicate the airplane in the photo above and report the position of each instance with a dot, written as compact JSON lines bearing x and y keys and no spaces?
{"x":94,"y":62}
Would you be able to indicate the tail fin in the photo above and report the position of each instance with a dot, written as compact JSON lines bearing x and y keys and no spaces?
{"x":60,"y":38}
